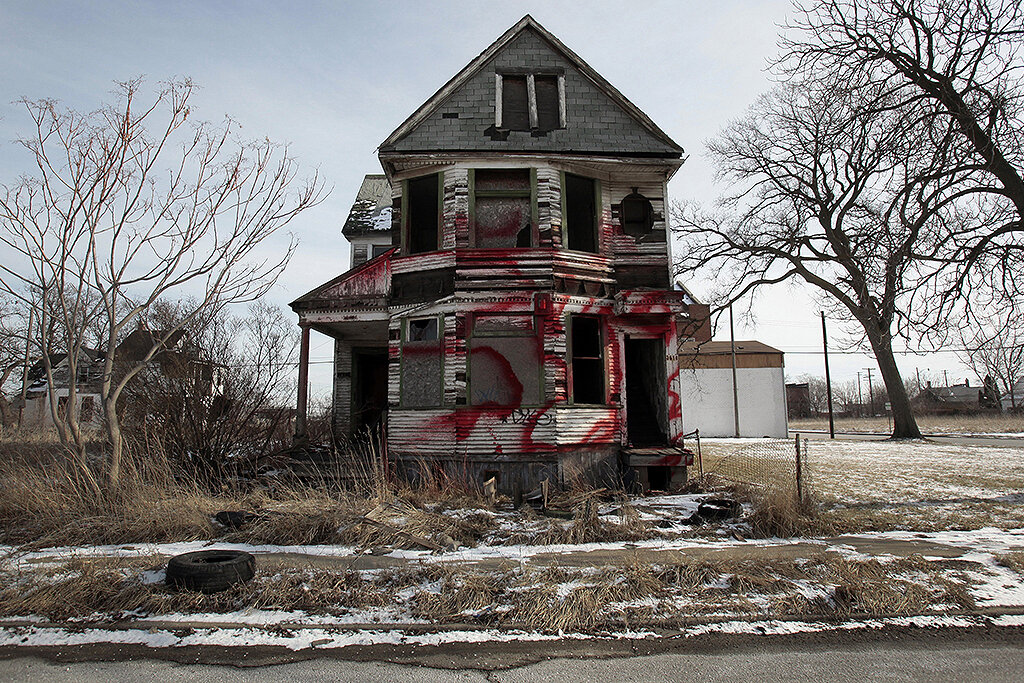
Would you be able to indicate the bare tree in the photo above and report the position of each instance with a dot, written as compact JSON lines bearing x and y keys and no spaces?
{"x":217,"y":402}
{"x":819,"y":194}
{"x":136,"y":202}
{"x":996,"y":351}
{"x":958,"y":66}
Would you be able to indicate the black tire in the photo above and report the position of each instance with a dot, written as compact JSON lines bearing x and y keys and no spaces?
{"x":210,"y":571}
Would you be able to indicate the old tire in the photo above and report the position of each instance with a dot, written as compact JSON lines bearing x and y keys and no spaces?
{"x":210,"y":571}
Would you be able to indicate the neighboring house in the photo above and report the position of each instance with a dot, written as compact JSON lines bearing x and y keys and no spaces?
{"x":958,"y":398}
{"x":1014,"y":401}
{"x":368,"y":227}
{"x":37,"y":412}
{"x":707,"y":395}
{"x":178,"y":360}
{"x":523,"y":326}
{"x":798,"y":400}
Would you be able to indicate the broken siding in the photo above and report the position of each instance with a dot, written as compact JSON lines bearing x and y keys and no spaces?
{"x":455,"y":224}
{"x":342,"y":402}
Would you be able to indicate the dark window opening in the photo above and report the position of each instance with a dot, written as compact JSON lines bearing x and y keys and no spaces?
{"x":424,"y":329}
{"x":369,"y":387}
{"x":636,"y":214}
{"x":502,"y":208}
{"x":580,"y":218}
{"x":546,"y":90}
{"x":378,"y":249}
{"x":515,"y":105}
{"x":423,"y":207}
{"x":587,"y":360}
{"x":646,"y":392}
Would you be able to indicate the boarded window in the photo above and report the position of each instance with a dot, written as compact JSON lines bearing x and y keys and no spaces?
{"x":546,"y":90}
{"x":505,"y":371}
{"x":421,"y":364}
{"x":580,"y":220}
{"x":422,"y":214}
{"x":502,"y":208}
{"x":587,"y":360}
{"x":515,"y":105}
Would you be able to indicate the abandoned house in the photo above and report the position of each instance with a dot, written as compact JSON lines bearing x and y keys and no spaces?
{"x":508,"y":312}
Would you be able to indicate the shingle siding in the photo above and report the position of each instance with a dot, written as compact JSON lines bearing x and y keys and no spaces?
{"x":594,"y":122}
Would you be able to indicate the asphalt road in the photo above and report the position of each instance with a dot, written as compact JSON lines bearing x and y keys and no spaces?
{"x":937,"y":655}
{"x":958,"y":440}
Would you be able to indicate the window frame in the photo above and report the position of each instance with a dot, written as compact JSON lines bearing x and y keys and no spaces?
{"x":516,"y":194}
{"x":598,"y":210}
{"x":531,"y":97}
{"x":439,"y":340}
{"x":537,"y":334}
{"x":406,"y":238}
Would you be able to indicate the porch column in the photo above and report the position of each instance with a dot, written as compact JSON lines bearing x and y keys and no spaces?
{"x":303,"y":393}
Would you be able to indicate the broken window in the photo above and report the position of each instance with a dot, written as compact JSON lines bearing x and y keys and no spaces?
{"x":587,"y":348}
{"x":636,"y":214}
{"x":505,"y":361}
{"x":502,"y":208}
{"x":422,"y":214}
{"x":421,"y":364}
{"x":579,"y":211}
{"x":530,"y":102}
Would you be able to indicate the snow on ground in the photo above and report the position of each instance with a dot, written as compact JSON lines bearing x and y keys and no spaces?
{"x":319,"y":638}
{"x":913,"y":471}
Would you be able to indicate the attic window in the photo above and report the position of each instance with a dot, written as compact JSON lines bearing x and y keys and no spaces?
{"x":534,"y":102}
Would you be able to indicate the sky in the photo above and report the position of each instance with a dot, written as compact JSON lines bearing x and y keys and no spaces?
{"x":333,"y":79}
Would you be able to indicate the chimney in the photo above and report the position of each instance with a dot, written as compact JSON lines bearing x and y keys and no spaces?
{"x":966,"y":383}
{"x":928,"y":384}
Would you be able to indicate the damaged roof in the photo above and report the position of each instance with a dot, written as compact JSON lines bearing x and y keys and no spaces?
{"x":371,"y":210}
{"x":599,"y":119}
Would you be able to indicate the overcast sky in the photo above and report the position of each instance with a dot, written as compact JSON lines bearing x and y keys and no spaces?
{"x":333,"y":79}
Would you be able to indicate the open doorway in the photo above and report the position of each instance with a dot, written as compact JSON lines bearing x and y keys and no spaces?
{"x":369,"y":387}
{"x":646,"y":393}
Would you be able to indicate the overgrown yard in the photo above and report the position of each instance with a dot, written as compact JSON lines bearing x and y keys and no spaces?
{"x":601,"y":562}
{"x":996,"y":424}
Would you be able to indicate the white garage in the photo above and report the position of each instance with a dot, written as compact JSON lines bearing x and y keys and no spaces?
{"x":707,"y":389}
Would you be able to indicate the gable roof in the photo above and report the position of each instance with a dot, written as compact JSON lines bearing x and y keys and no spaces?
{"x":656,"y":144}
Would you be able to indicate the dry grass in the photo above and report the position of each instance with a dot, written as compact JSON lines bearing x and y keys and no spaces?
{"x":1013,"y":560}
{"x":929,"y":424}
{"x":549,"y":599}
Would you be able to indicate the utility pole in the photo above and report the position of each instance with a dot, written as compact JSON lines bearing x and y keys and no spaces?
{"x":871,"y":391}
{"x":860,"y":399}
{"x":945,"y":378}
{"x":828,"y":380}
{"x":735,"y":390}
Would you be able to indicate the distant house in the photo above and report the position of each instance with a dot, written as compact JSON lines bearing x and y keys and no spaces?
{"x":1014,"y":401}
{"x":958,"y":398}
{"x":798,"y":400}
{"x":707,"y":389}
{"x":178,"y":360}
{"x":38,"y":411}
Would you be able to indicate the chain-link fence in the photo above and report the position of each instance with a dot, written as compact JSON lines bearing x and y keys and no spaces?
{"x":770,"y":464}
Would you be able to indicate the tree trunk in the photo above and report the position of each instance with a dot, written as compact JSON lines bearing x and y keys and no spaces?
{"x":116,"y":442}
{"x":904,"y":426}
